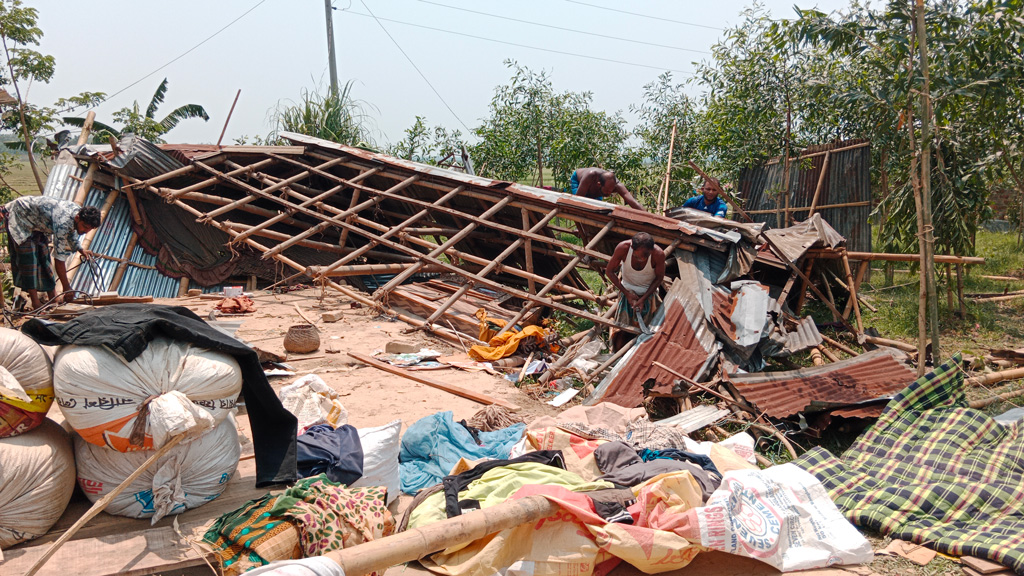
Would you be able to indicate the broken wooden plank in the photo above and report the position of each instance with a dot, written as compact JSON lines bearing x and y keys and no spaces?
{"x":457,"y":390}
{"x":695,"y":418}
{"x":982,"y":566}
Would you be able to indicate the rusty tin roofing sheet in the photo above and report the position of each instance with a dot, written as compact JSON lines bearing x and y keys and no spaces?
{"x":869,"y":376}
{"x":681,"y":341}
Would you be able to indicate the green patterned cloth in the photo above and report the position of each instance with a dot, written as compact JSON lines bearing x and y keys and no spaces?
{"x":935,"y":472}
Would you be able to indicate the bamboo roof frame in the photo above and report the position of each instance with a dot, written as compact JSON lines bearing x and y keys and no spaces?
{"x":371,"y":202}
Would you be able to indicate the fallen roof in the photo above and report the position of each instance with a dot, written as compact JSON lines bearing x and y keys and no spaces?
{"x":681,"y":341}
{"x":870,"y":376}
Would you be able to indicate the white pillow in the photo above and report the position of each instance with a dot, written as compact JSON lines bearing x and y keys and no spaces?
{"x":380,"y":457}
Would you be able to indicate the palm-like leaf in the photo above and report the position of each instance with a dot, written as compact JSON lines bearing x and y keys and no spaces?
{"x":157,"y":100}
{"x":97,"y":126}
{"x":183,"y":113}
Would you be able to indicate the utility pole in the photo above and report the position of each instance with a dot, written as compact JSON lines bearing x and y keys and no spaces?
{"x":333,"y":64}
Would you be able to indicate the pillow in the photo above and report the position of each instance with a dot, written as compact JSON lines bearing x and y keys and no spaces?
{"x":380,"y":457}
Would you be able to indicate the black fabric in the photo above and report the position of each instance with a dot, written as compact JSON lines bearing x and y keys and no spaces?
{"x":701,"y":460}
{"x":621,"y":466}
{"x":127,"y":329}
{"x":457,"y":483}
{"x":612,"y":503}
{"x":338,"y":453}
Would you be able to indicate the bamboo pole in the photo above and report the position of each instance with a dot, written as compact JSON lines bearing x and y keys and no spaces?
{"x":228,"y":119}
{"x":819,"y":208}
{"x":881,"y":256}
{"x":960,"y":290}
{"x":827,"y":353}
{"x":366,"y":269}
{"x":821,"y":181}
{"x":491,"y":197}
{"x":926,"y":182}
{"x":102,"y":503}
{"x":86,"y":185}
{"x":489,"y":268}
{"x":853,"y":295}
{"x":610,"y":361}
{"x":668,"y":168}
{"x":175,"y":194}
{"x":451,"y":336}
{"x":416,"y":543}
{"x":115,"y":282}
{"x":992,"y":400}
{"x":450,"y":388}
{"x":397,"y":280}
{"x":891,"y":343}
{"x":996,"y":377}
{"x":816,"y":357}
{"x":87,"y":241}
{"x":530,"y":284}
{"x":659,"y":233}
{"x":839,"y":345}
{"x":555,"y":280}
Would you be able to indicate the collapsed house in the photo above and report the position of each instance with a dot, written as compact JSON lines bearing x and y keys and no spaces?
{"x":446,"y":251}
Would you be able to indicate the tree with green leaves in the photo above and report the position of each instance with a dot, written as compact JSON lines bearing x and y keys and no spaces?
{"x":19,"y":32}
{"x":532,"y":127}
{"x":144,"y":124}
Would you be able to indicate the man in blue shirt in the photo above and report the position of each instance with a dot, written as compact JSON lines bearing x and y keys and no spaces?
{"x":708,"y":201}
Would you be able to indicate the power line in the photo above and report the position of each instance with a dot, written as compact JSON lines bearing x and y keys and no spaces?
{"x":422,"y":75}
{"x":379,"y":18}
{"x":183,"y":54}
{"x":658,"y":18}
{"x":564,"y":29}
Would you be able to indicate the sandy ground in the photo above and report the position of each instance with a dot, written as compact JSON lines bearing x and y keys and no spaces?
{"x":371,"y":396}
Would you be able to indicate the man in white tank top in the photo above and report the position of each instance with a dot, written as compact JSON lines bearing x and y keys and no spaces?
{"x":643,"y":269}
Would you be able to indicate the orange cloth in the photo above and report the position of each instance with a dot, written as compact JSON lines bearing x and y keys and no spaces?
{"x":506,"y":344}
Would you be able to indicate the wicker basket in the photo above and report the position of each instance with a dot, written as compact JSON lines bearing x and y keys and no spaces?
{"x":301,"y":339}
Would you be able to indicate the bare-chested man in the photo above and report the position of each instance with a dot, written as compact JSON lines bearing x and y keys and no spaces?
{"x":598,"y":183}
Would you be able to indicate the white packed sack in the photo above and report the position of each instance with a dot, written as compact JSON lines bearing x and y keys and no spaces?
{"x":782,"y":516}
{"x":381,"y":447}
{"x":26,"y":383}
{"x":188,"y":476}
{"x":101,"y":394}
{"x":37,"y":477}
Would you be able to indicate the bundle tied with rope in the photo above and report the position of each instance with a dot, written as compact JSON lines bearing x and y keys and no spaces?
{"x":122,"y":411}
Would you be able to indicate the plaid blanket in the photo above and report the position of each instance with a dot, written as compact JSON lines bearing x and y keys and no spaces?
{"x":935,"y":472}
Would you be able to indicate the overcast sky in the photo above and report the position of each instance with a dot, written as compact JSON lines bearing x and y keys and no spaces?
{"x":125,"y":48}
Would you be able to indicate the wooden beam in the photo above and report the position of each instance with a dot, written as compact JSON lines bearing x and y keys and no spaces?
{"x":83,"y":189}
{"x":115,"y":282}
{"x":367,"y":269}
{"x":451,"y":388}
{"x":878,"y":256}
{"x":397,"y":280}
{"x":489,"y":268}
{"x":175,"y":194}
{"x":821,"y":181}
{"x":551,"y":284}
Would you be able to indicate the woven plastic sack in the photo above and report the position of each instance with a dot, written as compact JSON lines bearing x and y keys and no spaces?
{"x":188,"y":476}
{"x":313,"y":402}
{"x":175,"y":386}
{"x":26,"y":383}
{"x":37,"y":477}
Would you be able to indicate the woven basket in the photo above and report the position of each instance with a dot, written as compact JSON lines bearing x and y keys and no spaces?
{"x":301,"y":339}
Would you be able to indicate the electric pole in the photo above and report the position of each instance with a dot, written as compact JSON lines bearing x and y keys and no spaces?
{"x":333,"y":64}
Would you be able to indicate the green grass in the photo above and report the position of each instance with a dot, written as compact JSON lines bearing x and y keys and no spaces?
{"x":987,"y":324}
{"x":21,"y":178}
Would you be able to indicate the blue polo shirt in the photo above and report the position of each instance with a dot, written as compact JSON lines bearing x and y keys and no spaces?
{"x":716,"y":208}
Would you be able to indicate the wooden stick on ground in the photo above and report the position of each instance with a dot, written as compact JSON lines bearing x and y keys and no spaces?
{"x":377,"y":555}
{"x":102,"y":503}
{"x":457,"y":390}
{"x":996,"y":377}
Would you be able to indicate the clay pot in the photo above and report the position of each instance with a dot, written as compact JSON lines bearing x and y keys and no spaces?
{"x":302,"y":339}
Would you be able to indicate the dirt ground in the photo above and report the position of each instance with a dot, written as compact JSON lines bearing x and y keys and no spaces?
{"x":371,"y":396}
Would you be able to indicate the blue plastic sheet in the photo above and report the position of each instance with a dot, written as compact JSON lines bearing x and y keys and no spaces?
{"x":433,"y":445}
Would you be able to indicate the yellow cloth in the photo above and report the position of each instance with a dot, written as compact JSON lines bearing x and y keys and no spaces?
{"x":505,"y":345}
{"x":488,"y":326}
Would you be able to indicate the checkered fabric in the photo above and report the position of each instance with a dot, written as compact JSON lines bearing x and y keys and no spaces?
{"x":935,"y":472}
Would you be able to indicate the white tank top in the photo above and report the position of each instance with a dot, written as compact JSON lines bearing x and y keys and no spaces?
{"x":637,"y":280}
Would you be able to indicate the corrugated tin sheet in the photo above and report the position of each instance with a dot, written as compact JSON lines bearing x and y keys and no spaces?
{"x":872,"y":375}
{"x":142,"y":159}
{"x":795,"y":240}
{"x":681,"y":341}
{"x":803,"y":337}
{"x":847,"y":180}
